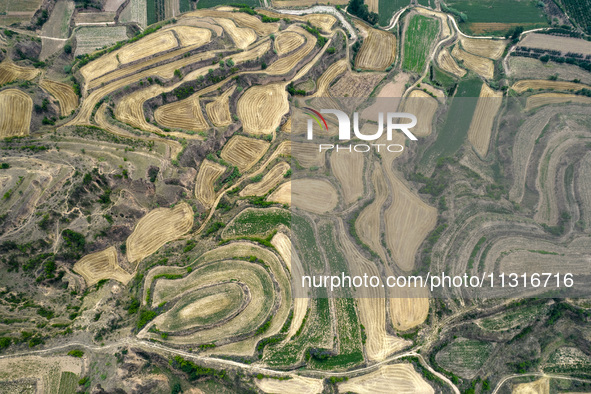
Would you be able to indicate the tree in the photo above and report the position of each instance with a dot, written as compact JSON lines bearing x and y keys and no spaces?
{"x":358,"y":8}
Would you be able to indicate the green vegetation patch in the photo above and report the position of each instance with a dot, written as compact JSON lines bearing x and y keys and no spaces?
{"x":350,"y":351}
{"x":512,"y":318}
{"x":464,"y":356}
{"x":442,"y":79}
{"x":306,"y":244}
{"x":387,"y":8}
{"x":454,"y":131}
{"x":315,"y":333}
{"x":257,"y":222}
{"x":213,"y":3}
{"x":419,"y":37}
{"x":68,"y":383}
{"x":569,"y":360}
{"x":155,"y":11}
{"x":498,"y":16}
{"x":579,"y":11}
{"x":185,"y":5}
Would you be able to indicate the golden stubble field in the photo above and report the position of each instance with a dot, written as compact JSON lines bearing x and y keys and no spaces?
{"x":347,"y":167}
{"x":261,"y":108}
{"x":16,"y":108}
{"x":480,"y":65}
{"x":395,"y":378}
{"x":492,"y":49}
{"x":487,"y":107}
{"x":544,"y":84}
{"x":12,"y":72}
{"x":378,"y":50}
{"x":209,"y":171}
{"x":64,"y":94}
{"x":158,"y":227}
{"x":311,"y":195}
{"x":424,"y":107}
{"x":244,"y":152}
{"x":101,"y":265}
{"x":218,"y":110}
{"x":538,"y":100}
{"x":447,"y":63}
{"x":271,"y":179}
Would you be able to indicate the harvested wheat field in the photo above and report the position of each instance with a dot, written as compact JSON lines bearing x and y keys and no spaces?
{"x":190,"y":35}
{"x":538,"y":100}
{"x":492,"y":49}
{"x":367,"y":224}
{"x":261,"y":108}
{"x":184,"y":114}
{"x":138,"y":70}
{"x":378,"y":50}
{"x":63,"y":93}
{"x":480,"y":65}
{"x":286,"y":127}
{"x":287,"y":41}
{"x":287,"y":63}
{"x":282,"y":243}
{"x":331,"y":73}
{"x":218,"y":111}
{"x":489,"y":103}
{"x":130,"y":109}
{"x":16,"y":108}
{"x":321,"y":21}
{"x":408,"y":307}
{"x":447,"y":63}
{"x":312,"y":195}
{"x":11,"y":72}
{"x":408,"y":221}
{"x":244,"y":152}
{"x":282,"y":194}
{"x":423,"y":106}
{"x":307,"y":154}
{"x":101,"y":265}
{"x":150,"y":45}
{"x":355,"y":84}
{"x":99,"y":67}
{"x":295,"y":385}
{"x":396,"y":378}
{"x":269,"y":181}
{"x":158,"y":227}
{"x":240,"y":19}
{"x":540,"y":386}
{"x":347,"y":167}
{"x":209,"y":171}
{"x":241,"y":36}
{"x":544,"y":84}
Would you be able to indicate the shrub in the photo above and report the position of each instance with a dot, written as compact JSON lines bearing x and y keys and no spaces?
{"x":76,"y":353}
